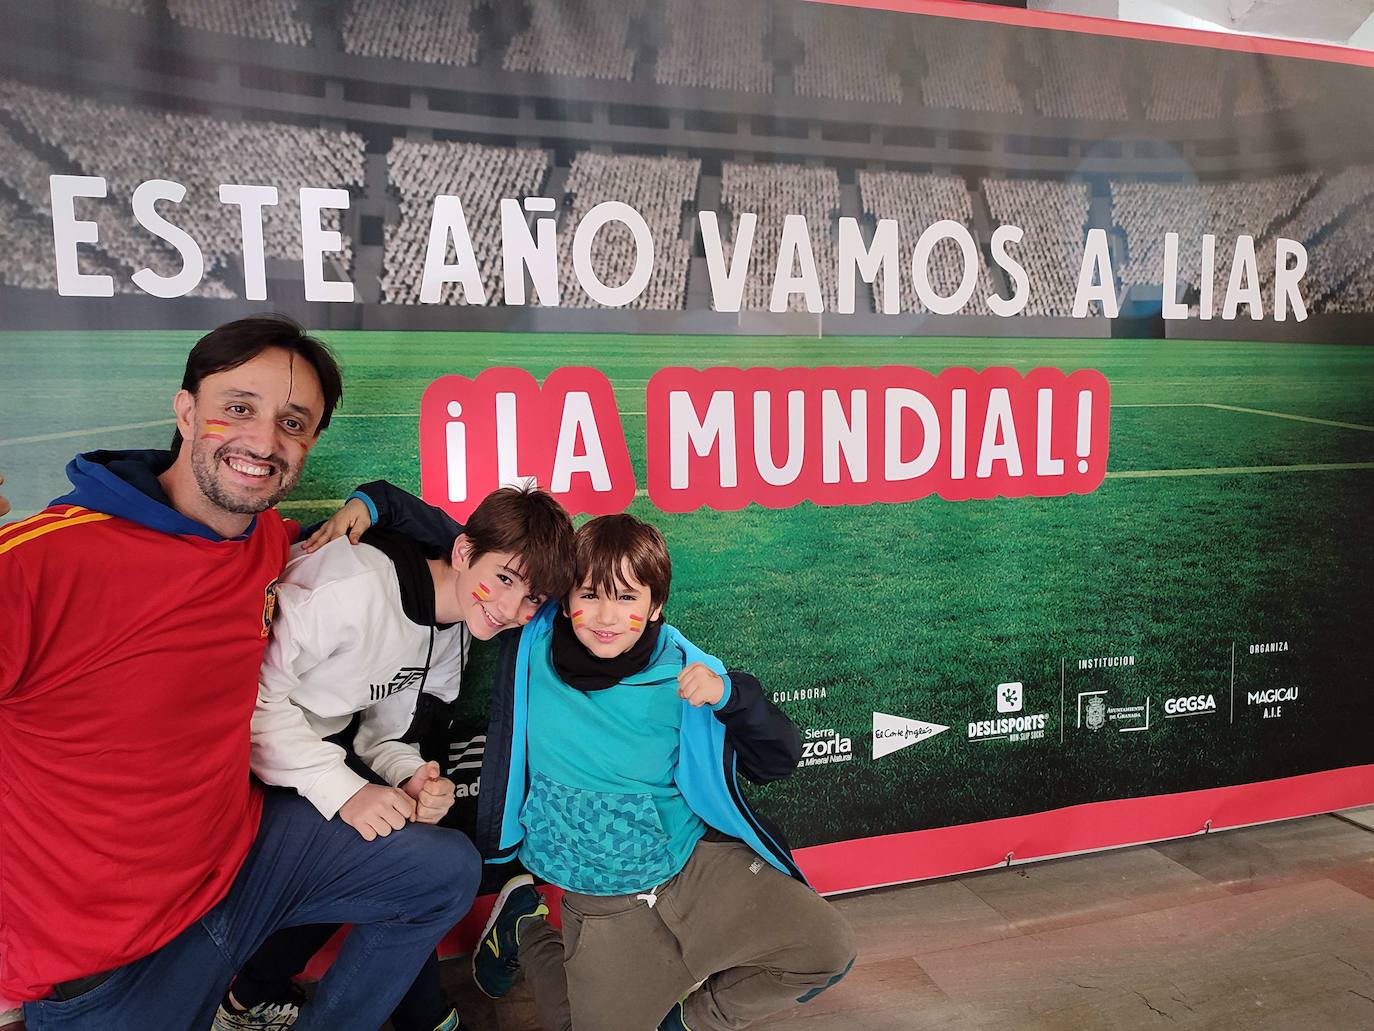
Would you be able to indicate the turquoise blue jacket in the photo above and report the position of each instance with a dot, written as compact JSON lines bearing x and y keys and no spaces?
{"x":747,"y":735}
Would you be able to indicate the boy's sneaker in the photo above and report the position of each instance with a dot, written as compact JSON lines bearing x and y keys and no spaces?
{"x":266,"y":1016}
{"x":449,"y":1023}
{"x":676,"y":1020}
{"x":496,"y":959}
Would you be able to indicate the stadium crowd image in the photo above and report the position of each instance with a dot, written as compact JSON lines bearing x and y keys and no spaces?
{"x":991,"y":383}
{"x":753,"y":107}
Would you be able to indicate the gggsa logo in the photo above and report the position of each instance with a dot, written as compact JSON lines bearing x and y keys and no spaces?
{"x":1190,"y":705}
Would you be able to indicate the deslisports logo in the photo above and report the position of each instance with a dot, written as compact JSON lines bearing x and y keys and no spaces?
{"x":1009,"y":697}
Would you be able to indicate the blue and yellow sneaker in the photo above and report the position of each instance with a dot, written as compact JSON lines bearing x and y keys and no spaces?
{"x":676,"y":1020}
{"x":496,"y":959}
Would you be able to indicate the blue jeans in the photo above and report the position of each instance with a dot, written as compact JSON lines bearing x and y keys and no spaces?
{"x":402,"y":893}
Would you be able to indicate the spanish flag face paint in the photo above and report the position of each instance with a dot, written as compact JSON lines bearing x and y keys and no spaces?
{"x":609,"y":619}
{"x":492,"y":592}
{"x":214,"y":429}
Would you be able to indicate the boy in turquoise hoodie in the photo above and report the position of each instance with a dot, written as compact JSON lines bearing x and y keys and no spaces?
{"x":610,"y":773}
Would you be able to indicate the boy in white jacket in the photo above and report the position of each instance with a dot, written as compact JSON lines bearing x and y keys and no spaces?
{"x":379,"y":633}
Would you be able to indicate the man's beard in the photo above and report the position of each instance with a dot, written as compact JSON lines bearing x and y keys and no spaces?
{"x":205,"y":464}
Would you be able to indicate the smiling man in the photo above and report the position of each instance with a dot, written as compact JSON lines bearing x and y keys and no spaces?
{"x":253,"y":426}
{"x":139,"y":865}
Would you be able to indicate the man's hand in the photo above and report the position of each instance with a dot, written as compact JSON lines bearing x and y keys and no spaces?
{"x":4,"y":505}
{"x":377,"y":811}
{"x":353,"y":519}
{"x":698,"y":685}
{"x":432,"y":793}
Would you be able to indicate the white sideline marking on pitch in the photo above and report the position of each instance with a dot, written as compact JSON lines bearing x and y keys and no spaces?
{"x":291,"y":506}
{"x":68,"y":434}
{"x":1235,"y":470}
{"x":1295,"y":418}
{"x":1252,"y":411}
{"x":65,"y":434}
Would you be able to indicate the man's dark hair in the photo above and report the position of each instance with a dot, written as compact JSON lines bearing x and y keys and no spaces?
{"x":242,"y":340}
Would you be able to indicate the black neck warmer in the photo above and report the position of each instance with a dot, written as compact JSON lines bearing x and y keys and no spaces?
{"x":412,"y":573}
{"x":580,"y":669}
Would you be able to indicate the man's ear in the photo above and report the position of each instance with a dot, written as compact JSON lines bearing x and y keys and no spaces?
{"x":462,"y":551}
{"x":184,"y":408}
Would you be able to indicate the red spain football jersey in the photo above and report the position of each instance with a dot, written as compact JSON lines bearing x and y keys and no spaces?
{"x":128,"y":674}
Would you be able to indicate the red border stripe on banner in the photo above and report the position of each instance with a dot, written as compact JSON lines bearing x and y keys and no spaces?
{"x":970,"y":11}
{"x":945,"y":851}
{"x":940,"y":852}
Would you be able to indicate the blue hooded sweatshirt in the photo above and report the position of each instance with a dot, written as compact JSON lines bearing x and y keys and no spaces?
{"x":748,"y":735}
{"x":125,"y":484}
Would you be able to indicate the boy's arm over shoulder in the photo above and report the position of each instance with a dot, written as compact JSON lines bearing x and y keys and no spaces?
{"x":406,"y":514}
{"x":766,"y":742}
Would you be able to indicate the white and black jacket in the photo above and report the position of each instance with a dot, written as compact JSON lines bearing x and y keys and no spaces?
{"x":354,"y":633}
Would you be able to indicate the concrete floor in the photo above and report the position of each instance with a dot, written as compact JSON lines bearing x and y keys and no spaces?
{"x":1265,"y":929}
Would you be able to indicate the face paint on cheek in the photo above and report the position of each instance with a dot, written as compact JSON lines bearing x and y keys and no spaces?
{"x":482,"y":593}
{"x":636,"y":623}
{"x":578,"y":617}
{"x":214,"y":429}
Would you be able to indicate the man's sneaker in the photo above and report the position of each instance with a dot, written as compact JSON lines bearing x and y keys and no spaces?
{"x":676,"y":1020}
{"x":496,"y":959}
{"x":266,"y":1016}
{"x":449,"y":1023}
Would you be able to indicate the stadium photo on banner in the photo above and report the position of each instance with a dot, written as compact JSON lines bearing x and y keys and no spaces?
{"x":1000,"y":382}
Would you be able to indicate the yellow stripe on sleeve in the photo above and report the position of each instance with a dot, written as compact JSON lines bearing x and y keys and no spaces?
{"x":58,"y":524}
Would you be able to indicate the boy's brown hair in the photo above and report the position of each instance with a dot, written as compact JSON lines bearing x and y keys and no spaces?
{"x":611,"y":544}
{"x":530,"y":524}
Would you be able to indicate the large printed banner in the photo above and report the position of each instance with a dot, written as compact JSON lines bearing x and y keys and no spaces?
{"x":713,"y":437}
{"x":969,"y":366}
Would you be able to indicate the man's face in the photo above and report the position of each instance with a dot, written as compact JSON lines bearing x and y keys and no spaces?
{"x":609,"y":624}
{"x":492,"y":592}
{"x":250,"y":428}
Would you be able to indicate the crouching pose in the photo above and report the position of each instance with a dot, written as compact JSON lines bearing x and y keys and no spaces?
{"x":376,"y":637}
{"x":610,"y":773}
{"x":139,"y":864}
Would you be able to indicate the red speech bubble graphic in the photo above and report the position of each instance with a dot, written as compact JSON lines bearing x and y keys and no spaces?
{"x":502,"y":428}
{"x":725,"y":438}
